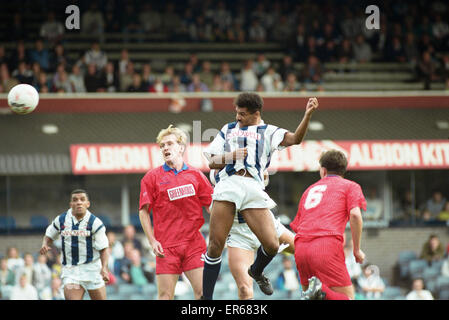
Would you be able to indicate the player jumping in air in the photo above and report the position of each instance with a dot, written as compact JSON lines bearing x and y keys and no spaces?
{"x":242,"y":151}
{"x":176,"y":192}
{"x":323,"y":212}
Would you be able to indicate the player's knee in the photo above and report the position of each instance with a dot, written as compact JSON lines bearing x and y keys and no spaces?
{"x":271,"y":247}
{"x":215,"y":248}
{"x":245,"y":292}
{"x":165,"y":295}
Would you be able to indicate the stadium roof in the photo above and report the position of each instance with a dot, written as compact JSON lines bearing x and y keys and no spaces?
{"x":26,"y":149}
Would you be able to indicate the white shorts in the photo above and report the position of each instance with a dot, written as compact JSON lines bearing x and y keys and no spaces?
{"x":245,"y":192}
{"x":86,"y":275}
{"x":242,"y":237}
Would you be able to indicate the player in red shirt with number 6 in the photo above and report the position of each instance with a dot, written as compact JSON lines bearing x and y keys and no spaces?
{"x":176,"y":193}
{"x":323,"y":212}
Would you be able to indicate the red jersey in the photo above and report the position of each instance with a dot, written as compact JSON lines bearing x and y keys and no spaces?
{"x":177,"y":198}
{"x":324,"y":207}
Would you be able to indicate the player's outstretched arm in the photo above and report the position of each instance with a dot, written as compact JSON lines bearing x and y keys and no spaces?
{"x":356,"y":223}
{"x":46,"y":244}
{"x":297,"y":137}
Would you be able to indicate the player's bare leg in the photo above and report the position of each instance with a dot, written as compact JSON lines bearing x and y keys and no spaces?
{"x":261,"y":224}
{"x":166,"y":284}
{"x":221,"y":219}
{"x":195,"y":277}
{"x":239,"y":262}
{"x":288,"y":237}
{"x":98,"y":294}
{"x":73,"y":291}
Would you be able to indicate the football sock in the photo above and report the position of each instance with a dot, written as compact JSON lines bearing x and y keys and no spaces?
{"x":210,"y":275}
{"x":262,"y":260}
{"x":332,"y":295}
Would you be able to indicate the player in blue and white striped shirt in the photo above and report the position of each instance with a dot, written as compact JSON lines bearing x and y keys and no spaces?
{"x":84,"y":249}
{"x":242,"y":151}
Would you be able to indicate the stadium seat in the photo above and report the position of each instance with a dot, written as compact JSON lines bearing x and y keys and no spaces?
{"x":113,"y":296}
{"x":442,"y":283}
{"x":39,"y":222}
{"x":128,"y":289}
{"x":407,"y":256}
{"x":443,"y":295}
{"x":390,"y":293}
{"x":137,"y":296}
{"x":149,"y":290}
{"x":417,"y":267}
{"x":105,"y":219}
{"x":7,"y":223}
{"x":431,"y":273}
{"x":431,"y":285}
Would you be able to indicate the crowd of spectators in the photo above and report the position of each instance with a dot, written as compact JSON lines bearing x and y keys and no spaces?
{"x":311,"y":33}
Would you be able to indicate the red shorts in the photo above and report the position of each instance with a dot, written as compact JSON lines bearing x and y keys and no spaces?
{"x":182,"y":258}
{"x":324,"y":258}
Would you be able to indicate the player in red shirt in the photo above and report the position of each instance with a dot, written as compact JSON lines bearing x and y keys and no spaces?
{"x":176,"y":193}
{"x":323,"y":212}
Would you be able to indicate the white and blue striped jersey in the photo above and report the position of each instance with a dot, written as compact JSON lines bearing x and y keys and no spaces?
{"x":81,"y":240}
{"x":260,"y":140}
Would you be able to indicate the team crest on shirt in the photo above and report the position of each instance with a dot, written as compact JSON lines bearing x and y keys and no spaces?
{"x":181,"y":192}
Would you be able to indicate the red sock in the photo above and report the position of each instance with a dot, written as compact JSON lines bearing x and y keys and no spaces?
{"x":333,"y":295}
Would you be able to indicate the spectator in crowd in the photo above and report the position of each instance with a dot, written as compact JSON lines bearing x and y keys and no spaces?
{"x":23,"y":74}
{"x":54,"y":291}
{"x":362,"y":50}
{"x":76,"y":79}
{"x":257,"y":32}
{"x":236,"y":33}
{"x":329,"y":52}
{"x":440,"y":29}
{"x":92,"y":21}
{"x":226,"y":74}
{"x":7,"y":276}
{"x":56,"y":267}
{"x":312,"y":48}
{"x":272,"y":81}
{"x":117,"y":250}
{"x":170,"y":19}
{"x":61,"y":83}
{"x":150,"y":19}
{"x":17,"y":30}
{"x":395,"y":51}
{"x":129,"y":234}
{"x":426,"y":70}
{"x":158,"y":86}
{"x":206,"y":75}
{"x":288,"y":278}
{"x":444,"y":214}
{"x":124,"y":61}
{"x":286,"y":67}
{"x":261,"y":65}
{"x":59,"y":57}
{"x":43,"y":83}
{"x":6,"y":81}
{"x":370,"y":282}
{"x":217,"y":85}
{"x":136,"y":270}
{"x":298,"y":42}
{"x":176,"y":85}
{"x":432,"y":250}
{"x":291,"y":84}
{"x":186,"y":76}
{"x":125,"y":262}
{"x":41,"y":273}
{"x":167,"y":76}
{"x":248,"y":78}
{"x":435,"y":204}
{"x":40,"y":55}
{"x":93,"y":80}
{"x":20,"y":54}
{"x":201,"y":30}
{"x":410,"y":49}
{"x":52,"y":30}
{"x":26,"y":269}
{"x":148,"y":77}
{"x":282,"y":30}
{"x":130,"y":22}
{"x":418,"y":292}
{"x":113,"y":267}
{"x":137,"y":85}
{"x":197,"y":85}
{"x":96,"y":56}
{"x":126,"y":79}
{"x":312,"y":72}
{"x":14,"y":259}
{"x":111,"y":22}
{"x":24,"y":290}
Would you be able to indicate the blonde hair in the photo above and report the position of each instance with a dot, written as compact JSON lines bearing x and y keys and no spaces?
{"x":181,"y":137}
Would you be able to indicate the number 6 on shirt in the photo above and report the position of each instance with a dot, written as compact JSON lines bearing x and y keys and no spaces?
{"x":314,"y":196}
